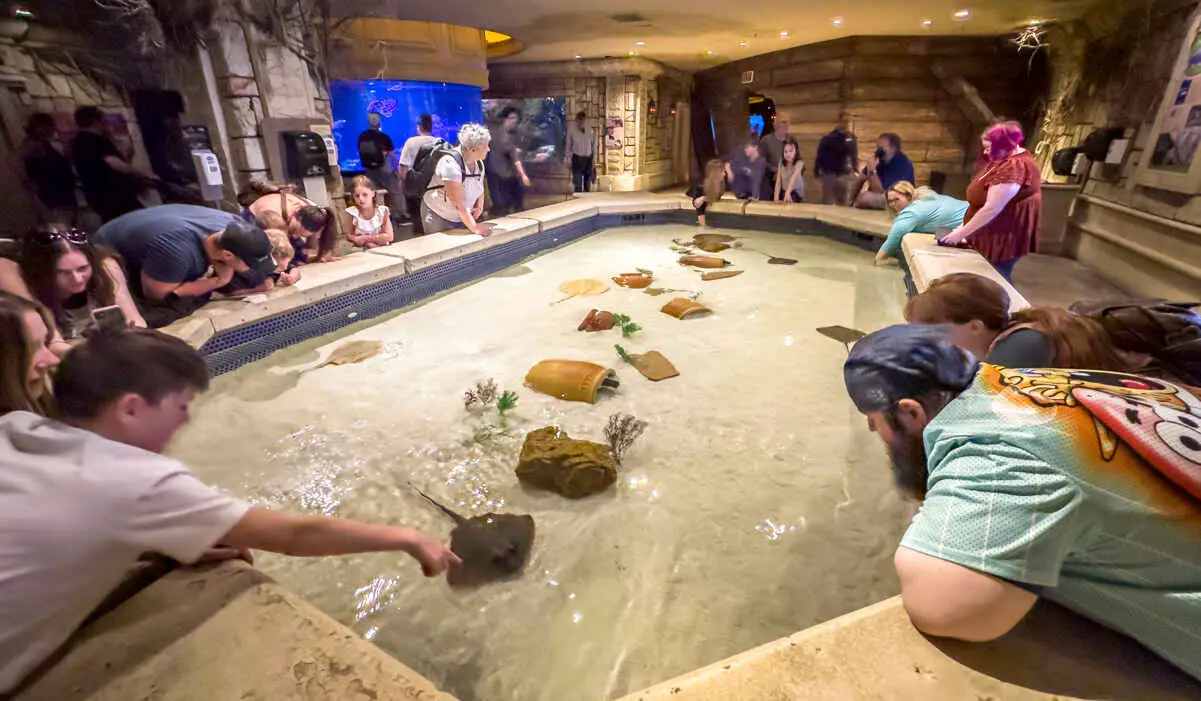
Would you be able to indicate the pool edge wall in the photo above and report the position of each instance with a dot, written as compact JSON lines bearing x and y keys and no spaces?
{"x":229,"y":631}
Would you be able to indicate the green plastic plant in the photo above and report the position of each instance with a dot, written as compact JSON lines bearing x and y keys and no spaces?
{"x":621,"y":353}
{"x":506,"y":401}
{"x":628,"y":328}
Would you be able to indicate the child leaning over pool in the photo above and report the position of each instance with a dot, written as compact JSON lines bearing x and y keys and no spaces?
{"x":368,"y":225}
{"x":708,"y":190}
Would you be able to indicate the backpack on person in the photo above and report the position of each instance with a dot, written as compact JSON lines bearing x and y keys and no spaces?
{"x":425,"y":164}
{"x":1168,"y":332}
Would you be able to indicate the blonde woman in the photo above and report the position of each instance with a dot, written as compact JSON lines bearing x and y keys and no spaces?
{"x":917,"y":209}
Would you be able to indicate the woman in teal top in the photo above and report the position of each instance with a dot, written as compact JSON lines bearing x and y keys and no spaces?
{"x":918,"y":209}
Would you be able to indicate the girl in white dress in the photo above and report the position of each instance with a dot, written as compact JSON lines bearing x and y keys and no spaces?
{"x":368,"y":224}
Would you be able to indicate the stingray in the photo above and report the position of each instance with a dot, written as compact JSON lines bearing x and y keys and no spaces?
{"x":493,"y":547}
{"x":352,"y":352}
{"x":842,"y":334}
{"x":581,"y":288}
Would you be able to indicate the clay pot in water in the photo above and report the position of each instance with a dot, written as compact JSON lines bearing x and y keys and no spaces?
{"x":597,"y":321}
{"x":634,"y":281}
{"x":683,"y":307}
{"x":704,"y":261}
{"x":711,"y":246}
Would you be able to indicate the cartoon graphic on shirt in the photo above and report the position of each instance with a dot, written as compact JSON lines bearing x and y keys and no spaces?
{"x":1158,"y":421}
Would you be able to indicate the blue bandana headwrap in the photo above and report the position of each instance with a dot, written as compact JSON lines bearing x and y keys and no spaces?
{"x":905,"y":362}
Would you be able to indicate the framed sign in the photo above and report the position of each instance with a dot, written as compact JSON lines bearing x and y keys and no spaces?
{"x":1172,"y":160}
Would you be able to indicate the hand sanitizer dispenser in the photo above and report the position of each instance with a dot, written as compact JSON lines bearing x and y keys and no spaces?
{"x":204,"y":161}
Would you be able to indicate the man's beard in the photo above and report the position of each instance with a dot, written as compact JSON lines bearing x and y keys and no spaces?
{"x":909,"y":470}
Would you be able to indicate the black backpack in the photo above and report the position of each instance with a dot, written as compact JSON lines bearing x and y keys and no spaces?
{"x":417,"y":182}
{"x":1169,"y":332}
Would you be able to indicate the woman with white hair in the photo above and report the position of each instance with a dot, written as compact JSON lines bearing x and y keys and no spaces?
{"x":454,"y":198}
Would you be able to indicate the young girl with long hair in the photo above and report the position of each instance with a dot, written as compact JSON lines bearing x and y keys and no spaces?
{"x":790,"y":177}
{"x":709,"y":189}
{"x":25,"y":356}
{"x":367,"y":224}
{"x":71,"y":277}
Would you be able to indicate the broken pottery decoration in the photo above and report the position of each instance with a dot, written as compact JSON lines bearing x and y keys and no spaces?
{"x":720,"y":274}
{"x":653,"y":365}
{"x":597,"y":321}
{"x":634,"y":281}
{"x":574,"y":468}
{"x":683,"y":307}
{"x":581,"y":288}
{"x":704,"y":261}
{"x":712,"y":238}
{"x":572,"y":380}
{"x":353,"y":352}
{"x":711,"y":246}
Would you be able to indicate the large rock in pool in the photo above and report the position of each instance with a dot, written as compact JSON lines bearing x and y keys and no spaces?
{"x":573,"y":468}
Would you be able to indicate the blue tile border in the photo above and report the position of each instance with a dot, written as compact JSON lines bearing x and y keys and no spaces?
{"x":229,"y":350}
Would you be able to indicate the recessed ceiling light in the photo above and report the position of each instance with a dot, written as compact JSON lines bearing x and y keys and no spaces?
{"x":837,"y":21}
{"x":708,"y":53}
{"x":927,"y":23}
{"x":962,"y":14}
{"x":742,"y":43}
{"x":640,"y":43}
{"x":578,"y":57}
{"x":632,"y":53}
{"x":783,"y":35}
{"x":22,"y":13}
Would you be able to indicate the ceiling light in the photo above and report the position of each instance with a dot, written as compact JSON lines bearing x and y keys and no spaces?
{"x":640,"y":43}
{"x":708,"y":53}
{"x":1035,"y":22}
{"x":631,"y":53}
{"x":783,"y":35}
{"x":837,"y":21}
{"x":578,"y":57}
{"x":927,"y":23}
{"x":742,"y":43}
{"x":962,"y":15}
{"x":22,"y":13}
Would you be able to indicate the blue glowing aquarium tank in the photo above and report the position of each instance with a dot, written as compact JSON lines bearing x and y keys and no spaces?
{"x":400,"y":103}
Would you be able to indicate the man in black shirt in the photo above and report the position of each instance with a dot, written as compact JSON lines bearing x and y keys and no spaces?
{"x":110,"y":183}
{"x":375,"y":153}
{"x":837,"y":159}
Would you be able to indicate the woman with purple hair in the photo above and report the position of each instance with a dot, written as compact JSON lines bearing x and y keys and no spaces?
{"x":1004,"y":201}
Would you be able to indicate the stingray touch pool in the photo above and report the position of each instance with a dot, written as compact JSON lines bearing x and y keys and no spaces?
{"x":755,"y":504}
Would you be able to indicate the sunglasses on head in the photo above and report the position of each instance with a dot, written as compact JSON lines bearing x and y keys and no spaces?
{"x":45,"y":238}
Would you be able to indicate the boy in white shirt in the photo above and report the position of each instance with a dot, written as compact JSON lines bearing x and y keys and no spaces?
{"x":82,"y":499}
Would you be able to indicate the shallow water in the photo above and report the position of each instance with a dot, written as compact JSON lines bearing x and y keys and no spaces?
{"x":756,"y":503}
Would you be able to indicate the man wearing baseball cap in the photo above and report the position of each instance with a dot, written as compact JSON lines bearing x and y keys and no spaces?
{"x":177,"y":255}
{"x":1038,"y":483}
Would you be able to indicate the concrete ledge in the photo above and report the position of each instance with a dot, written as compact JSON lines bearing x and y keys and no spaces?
{"x":223,"y":632}
{"x":928,"y":261}
{"x":562,"y":213}
{"x":423,"y":251}
{"x":875,"y":653}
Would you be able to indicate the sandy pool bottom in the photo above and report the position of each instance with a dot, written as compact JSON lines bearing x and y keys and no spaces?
{"x":756,"y":503}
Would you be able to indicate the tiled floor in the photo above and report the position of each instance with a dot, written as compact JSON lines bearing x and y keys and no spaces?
{"x":1058,"y":282}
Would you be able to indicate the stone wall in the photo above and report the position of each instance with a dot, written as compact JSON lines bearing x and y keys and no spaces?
{"x":40,"y":72}
{"x":1142,"y":238}
{"x":937,"y":93}
{"x":609,"y":88}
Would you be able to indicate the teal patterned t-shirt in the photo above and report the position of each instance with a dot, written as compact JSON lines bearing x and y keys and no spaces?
{"x":1028,"y":484}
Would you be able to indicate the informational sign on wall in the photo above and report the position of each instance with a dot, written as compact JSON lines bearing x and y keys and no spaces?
{"x":1173,"y":162}
{"x":614,"y":132}
{"x":1179,"y":132}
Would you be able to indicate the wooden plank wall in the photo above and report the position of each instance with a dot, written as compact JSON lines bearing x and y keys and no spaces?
{"x":875,"y":84}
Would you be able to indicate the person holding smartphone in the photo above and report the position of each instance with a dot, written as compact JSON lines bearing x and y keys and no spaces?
{"x":889,"y":167}
{"x":72,"y":277}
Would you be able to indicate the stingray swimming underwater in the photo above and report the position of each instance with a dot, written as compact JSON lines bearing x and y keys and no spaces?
{"x":493,"y":547}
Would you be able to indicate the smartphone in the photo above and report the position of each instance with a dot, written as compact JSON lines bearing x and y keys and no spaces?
{"x":109,"y":318}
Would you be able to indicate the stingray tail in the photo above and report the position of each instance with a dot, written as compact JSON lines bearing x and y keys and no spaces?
{"x":457,"y":518}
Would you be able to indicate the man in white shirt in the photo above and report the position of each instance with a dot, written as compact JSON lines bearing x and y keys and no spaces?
{"x":408,"y":157}
{"x":82,"y":499}
{"x":579,"y":152}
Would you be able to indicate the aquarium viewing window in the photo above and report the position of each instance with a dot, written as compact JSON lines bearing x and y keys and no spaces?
{"x":400,"y":103}
{"x":542,"y":129}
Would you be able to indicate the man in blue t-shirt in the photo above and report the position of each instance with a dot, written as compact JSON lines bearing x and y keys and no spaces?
{"x":1079,"y":486}
{"x":889,"y":167}
{"x":185,"y":252}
